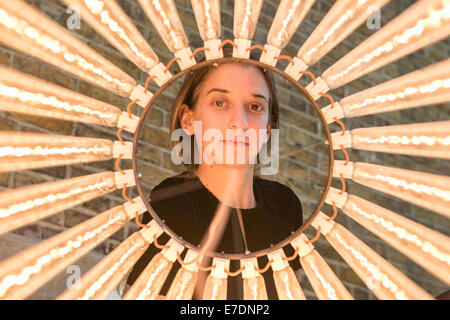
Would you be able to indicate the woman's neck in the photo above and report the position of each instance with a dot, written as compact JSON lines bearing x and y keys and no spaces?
{"x":232,"y":185}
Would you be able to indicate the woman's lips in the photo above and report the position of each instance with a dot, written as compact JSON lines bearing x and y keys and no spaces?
{"x":236,"y":143}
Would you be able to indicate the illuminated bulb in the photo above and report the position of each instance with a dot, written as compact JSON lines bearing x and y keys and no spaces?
{"x":342,"y":19}
{"x":149,"y":283}
{"x":22,"y":150}
{"x":288,"y":17}
{"x":424,"y":139}
{"x":427,"y":86}
{"x":207,"y":15}
{"x":216,"y":283}
{"x":323,"y":280}
{"x":25,"y":272}
{"x":26,"y":94}
{"x":183,"y":285}
{"x":25,"y":205}
{"x":426,"y":247}
{"x":424,"y":189}
{"x":106,"y":275}
{"x":245,"y":18}
{"x":423,"y":23}
{"x":109,"y":20}
{"x":22,"y":27}
{"x":384,"y":280}
{"x":255,"y":288}
{"x":215,"y":288}
{"x":290,"y":14}
{"x":151,"y":280}
{"x":286,"y":283}
{"x":165,"y":18}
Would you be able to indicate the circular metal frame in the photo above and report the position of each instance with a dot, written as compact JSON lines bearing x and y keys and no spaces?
{"x":258,"y":253}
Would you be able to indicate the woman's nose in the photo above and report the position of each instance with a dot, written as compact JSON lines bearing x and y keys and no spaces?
{"x":239,"y":118}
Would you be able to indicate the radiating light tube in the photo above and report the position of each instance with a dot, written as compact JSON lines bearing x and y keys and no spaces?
{"x":423,"y":87}
{"x":323,"y":280}
{"x":25,"y":272}
{"x":430,"y":139}
{"x":246,"y":14}
{"x":430,"y":191}
{"x":207,"y":15}
{"x":423,"y":23}
{"x":383,"y":279}
{"x":98,"y":283}
{"x":24,"y":150}
{"x":341,"y":20}
{"x":215,"y":288}
{"x":23,"y":93}
{"x":109,"y":20}
{"x":287,"y":285}
{"x":426,"y":247}
{"x":288,"y":17}
{"x":183,"y":285}
{"x":255,"y":288}
{"x":22,"y":206}
{"x":26,"y":29}
{"x":151,"y":280}
{"x":164,"y":17}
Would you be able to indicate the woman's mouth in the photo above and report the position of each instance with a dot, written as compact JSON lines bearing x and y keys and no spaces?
{"x":236,"y":143}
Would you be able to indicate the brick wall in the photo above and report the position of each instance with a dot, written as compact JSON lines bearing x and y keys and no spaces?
{"x":304,"y":171}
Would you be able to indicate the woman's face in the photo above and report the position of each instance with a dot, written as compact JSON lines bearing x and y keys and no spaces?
{"x":233,"y":98}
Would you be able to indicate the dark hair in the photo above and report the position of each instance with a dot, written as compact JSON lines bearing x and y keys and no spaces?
{"x":191,"y":88}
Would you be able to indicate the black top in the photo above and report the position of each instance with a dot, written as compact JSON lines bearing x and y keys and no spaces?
{"x":188,"y":207}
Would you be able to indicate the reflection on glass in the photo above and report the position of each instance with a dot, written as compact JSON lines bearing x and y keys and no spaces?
{"x":228,"y":151}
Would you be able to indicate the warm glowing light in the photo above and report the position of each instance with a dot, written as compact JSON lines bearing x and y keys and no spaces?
{"x":426,"y":247}
{"x":254,"y":285}
{"x":109,"y":20}
{"x":423,"y":23}
{"x":105,"y":276}
{"x":183,"y":286}
{"x":22,"y":274}
{"x":246,"y":15}
{"x":22,"y":206}
{"x":23,"y":150}
{"x":28,"y":30}
{"x":149,"y":283}
{"x":341,"y":20}
{"x":22,"y":93}
{"x":165,"y":18}
{"x":384,"y":280}
{"x":423,"y":139}
{"x":427,"y":86}
{"x":323,"y":280}
{"x":290,"y":14}
{"x":427,"y":190}
{"x":286,"y":283}
{"x":216,"y":283}
{"x":207,"y":15}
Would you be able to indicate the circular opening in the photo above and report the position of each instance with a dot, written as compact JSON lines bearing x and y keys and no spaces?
{"x":302,"y":146}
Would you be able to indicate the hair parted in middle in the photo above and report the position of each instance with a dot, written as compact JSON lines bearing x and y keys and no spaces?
{"x":191,"y":88}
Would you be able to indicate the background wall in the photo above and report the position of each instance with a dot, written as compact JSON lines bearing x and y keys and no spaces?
{"x":299,"y":127}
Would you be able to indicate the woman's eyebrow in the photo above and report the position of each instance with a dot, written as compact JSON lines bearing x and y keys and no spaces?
{"x":217,"y":89}
{"x":261,"y":96}
{"x":226,"y":91}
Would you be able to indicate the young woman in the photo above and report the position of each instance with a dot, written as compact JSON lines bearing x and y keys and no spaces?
{"x":226,"y":96}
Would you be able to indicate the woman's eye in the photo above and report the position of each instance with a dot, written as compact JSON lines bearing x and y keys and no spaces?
{"x":256,"y":107}
{"x":219,"y":103}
